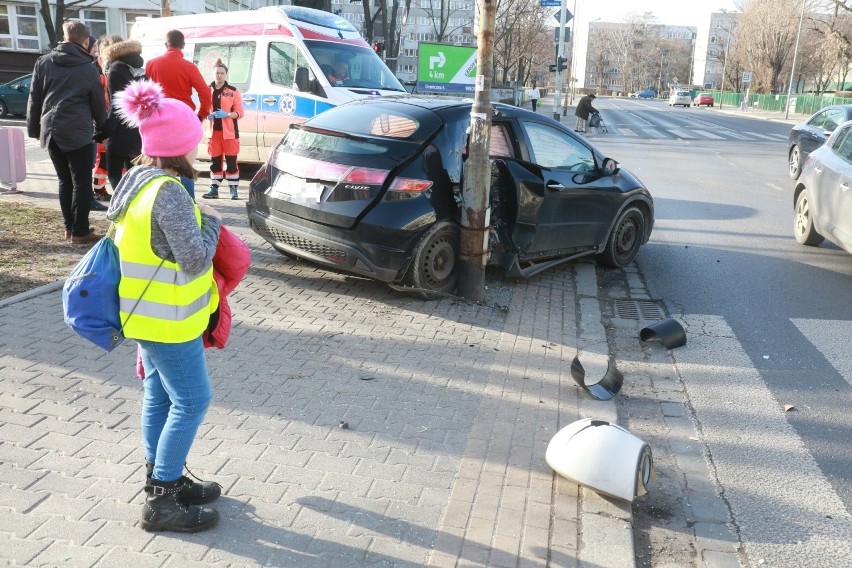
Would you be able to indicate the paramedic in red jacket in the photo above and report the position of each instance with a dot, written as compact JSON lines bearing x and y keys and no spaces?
{"x":225,"y":137}
{"x":179,"y":78}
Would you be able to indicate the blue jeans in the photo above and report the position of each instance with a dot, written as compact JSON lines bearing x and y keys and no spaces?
{"x":177,"y":394}
{"x":189,"y":185}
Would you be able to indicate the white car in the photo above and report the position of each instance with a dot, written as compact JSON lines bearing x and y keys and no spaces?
{"x":680,"y":97}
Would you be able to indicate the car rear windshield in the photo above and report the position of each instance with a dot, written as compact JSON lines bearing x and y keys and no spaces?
{"x":388,"y":120}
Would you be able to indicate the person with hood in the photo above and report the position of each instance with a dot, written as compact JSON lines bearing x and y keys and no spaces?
{"x":166,"y":243}
{"x":66,"y":103}
{"x":123,"y":63}
{"x":582,"y":112}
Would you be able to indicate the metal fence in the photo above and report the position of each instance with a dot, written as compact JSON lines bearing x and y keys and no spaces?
{"x":804,"y":105}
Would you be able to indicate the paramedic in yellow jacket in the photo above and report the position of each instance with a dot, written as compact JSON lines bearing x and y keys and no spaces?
{"x":225,"y":136}
{"x":166,"y":295}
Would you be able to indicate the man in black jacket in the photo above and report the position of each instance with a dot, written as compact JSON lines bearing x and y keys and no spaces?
{"x":66,"y":103}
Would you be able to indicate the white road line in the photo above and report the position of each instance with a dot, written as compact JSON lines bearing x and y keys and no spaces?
{"x":775,"y":187}
{"x":831,"y":338}
{"x":709,"y":135}
{"x":786,"y":511}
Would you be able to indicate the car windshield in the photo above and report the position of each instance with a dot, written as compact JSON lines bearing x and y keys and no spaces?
{"x":363,"y":68}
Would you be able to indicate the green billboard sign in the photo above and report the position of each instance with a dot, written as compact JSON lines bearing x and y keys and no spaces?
{"x":446,"y":68}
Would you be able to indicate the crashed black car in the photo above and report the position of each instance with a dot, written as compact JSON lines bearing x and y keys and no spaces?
{"x":374,"y":187}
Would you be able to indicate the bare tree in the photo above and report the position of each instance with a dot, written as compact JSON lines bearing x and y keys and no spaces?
{"x":54,"y":18}
{"x":523,"y":42}
{"x":444,"y":16}
{"x":767,"y":34}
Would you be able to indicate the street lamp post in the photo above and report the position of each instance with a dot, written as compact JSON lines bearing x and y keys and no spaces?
{"x":795,"y":57}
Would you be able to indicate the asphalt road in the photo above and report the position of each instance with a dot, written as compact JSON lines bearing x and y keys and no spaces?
{"x":772,"y":319}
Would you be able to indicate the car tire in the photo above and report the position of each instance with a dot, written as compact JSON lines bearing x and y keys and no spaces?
{"x":624,"y":240}
{"x":794,"y":162}
{"x":4,"y":110}
{"x":434,"y":266}
{"x":803,"y":222}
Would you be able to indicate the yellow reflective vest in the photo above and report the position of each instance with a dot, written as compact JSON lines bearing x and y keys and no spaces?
{"x":158,"y":302}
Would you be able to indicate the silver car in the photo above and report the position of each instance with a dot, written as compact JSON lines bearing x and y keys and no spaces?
{"x":680,"y":97}
{"x":822,"y":198}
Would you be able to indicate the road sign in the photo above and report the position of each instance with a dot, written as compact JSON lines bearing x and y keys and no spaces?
{"x":551,"y":3}
{"x":568,"y":16}
{"x":746,"y":76}
{"x":446,"y":68}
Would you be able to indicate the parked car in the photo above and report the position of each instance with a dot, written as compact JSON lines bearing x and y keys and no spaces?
{"x":14,"y":95}
{"x":374,"y":187}
{"x":822,"y":201}
{"x":680,"y":97}
{"x":809,"y":135}
{"x":703,"y":99}
{"x":646,"y":94}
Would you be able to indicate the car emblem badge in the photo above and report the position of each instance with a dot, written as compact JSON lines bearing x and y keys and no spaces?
{"x":287,"y":104}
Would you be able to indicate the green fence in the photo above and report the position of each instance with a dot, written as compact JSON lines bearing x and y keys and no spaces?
{"x":804,"y":105}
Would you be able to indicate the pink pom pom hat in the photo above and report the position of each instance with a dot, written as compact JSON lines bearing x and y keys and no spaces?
{"x":168,"y":127}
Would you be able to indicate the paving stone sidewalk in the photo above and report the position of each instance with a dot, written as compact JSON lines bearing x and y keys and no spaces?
{"x":449,"y":407}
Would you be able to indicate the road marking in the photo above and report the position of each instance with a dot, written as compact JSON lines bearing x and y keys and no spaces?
{"x":785,"y":509}
{"x":831,"y":338}
{"x":775,"y":187}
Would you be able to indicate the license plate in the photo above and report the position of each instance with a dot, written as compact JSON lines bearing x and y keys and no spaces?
{"x":296,"y":190}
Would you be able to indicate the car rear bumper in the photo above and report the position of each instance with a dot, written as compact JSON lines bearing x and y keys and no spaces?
{"x":329,"y":247}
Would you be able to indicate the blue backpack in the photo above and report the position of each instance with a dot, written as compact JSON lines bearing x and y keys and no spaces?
{"x":90,"y":296}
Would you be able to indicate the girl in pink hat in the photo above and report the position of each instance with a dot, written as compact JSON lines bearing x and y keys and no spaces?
{"x":166,"y":244}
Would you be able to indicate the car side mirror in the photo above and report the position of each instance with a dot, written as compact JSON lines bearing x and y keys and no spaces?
{"x":609,"y":167}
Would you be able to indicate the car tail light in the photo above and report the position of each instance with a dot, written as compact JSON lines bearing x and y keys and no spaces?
{"x":309,"y":168}
{"x":409,"y":185}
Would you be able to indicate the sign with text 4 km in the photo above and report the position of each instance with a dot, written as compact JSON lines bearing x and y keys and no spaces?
{"x":446,"y":68}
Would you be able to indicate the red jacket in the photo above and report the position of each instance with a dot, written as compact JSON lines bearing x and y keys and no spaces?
{"x":179,"y":77}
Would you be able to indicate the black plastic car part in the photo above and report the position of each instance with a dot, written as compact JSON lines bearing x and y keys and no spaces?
{"x":604,"y":389}
{"x":669,"y":332}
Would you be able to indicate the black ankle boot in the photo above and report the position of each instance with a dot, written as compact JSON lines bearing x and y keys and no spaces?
{"x":164,"y":511}
{"x":191,"y":493}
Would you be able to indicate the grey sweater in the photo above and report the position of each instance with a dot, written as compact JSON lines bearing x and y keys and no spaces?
{"x":175,"y":235}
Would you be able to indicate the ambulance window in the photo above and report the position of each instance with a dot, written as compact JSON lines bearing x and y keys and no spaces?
{"x":237,"y":56}
{"x":284,"y":59}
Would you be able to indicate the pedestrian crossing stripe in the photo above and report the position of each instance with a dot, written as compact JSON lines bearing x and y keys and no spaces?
{"x":831,"y":338}
{"x":709,"y":135}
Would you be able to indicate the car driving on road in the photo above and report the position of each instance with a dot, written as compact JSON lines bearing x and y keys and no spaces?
{"x":646,"y":94}
{"x":822,"y":199}
{"x":680,"y":97}
{"x":375,"y":188}
{"x":703,"y":99}
{"x":809,"y":135}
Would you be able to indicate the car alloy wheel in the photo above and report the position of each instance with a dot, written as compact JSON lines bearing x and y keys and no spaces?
{"x":795,"y":162}
{"x":625,"y":239}
{"x":803,"y":224}
{"x":4,"y":110}
{"x":434,"y":264}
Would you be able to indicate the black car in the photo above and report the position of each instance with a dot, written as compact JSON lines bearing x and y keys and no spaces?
{"x":374,"y":187}
{"x":811,"y":134}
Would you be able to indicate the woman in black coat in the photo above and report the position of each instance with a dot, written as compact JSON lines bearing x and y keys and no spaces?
{"x":122,"y":64}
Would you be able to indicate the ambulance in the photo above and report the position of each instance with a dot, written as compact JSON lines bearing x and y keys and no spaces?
{"x":280,"y":58}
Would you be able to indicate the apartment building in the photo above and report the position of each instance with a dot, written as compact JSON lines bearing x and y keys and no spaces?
{"x":711,"y":47}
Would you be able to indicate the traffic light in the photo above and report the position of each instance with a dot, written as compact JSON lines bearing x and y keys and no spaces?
{"x":561,"y":63}
{"x":378,"y":47}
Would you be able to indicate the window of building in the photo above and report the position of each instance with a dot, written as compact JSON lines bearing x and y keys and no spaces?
{"x":18,"y":27}
{"x":407,"y":68}
{"x":130,"y":18}
{"x":94,"y":19}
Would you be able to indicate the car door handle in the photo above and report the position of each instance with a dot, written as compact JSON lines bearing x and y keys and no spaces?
{"x":844,"y":186}
{"x":555,"y":186}
{"x":269,"y":100}
{"x":249,"y":99}
{"x":818,"y":169}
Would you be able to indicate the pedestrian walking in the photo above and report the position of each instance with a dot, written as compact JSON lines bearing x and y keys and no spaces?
{"x":224,"y":141}
{"x":535,"y":94}
{"x":166,"y":243}
{"x":122,"y":64}
{"x":66,"y":103}
{"x":582,"y":112}
{"x":179,"y":79}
